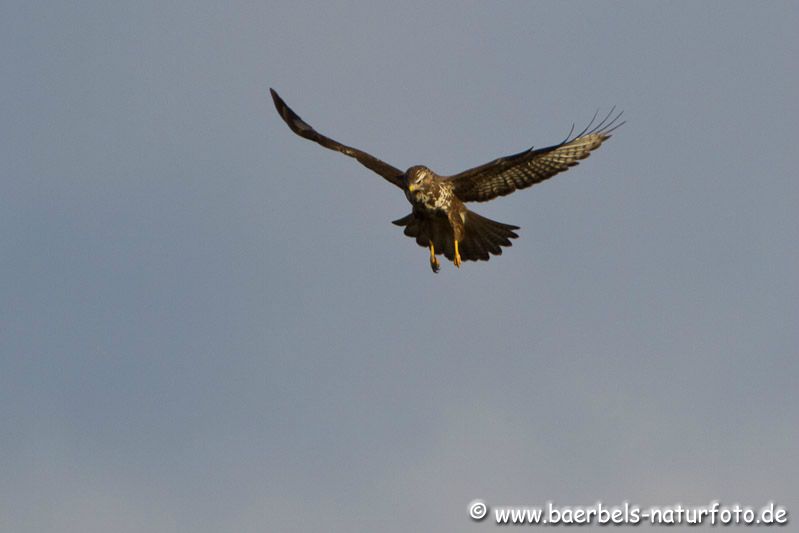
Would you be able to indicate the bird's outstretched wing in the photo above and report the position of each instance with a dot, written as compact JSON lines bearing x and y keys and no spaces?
{"x":303,"y":129}
{"x":507,"y":174}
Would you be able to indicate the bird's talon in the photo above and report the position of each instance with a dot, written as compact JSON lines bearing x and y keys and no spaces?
{"x":434,"y":264}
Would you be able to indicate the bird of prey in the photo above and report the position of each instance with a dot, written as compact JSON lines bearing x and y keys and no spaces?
{"x":439,"y":220}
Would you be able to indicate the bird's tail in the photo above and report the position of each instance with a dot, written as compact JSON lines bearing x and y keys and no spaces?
{"x":482,"y":237}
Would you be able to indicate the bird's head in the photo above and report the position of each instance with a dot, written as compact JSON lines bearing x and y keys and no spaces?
{"x":418,"y":178}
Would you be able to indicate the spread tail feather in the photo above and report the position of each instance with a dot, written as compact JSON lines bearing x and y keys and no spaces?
{"x":482,"y":237}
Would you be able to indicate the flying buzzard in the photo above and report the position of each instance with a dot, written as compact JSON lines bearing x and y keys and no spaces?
{"x":439,"y":220}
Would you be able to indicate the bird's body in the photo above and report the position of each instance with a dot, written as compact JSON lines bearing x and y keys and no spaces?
{"x":439,"y":220}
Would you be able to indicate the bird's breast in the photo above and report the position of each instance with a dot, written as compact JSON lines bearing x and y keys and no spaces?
{"x":443,"y":198}
{"x":435,"y":198}
{"x":422,"y":199}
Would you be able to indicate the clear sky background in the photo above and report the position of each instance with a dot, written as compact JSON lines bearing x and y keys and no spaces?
{"x":209,"y":324}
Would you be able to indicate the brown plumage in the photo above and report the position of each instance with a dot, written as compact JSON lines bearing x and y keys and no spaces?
{"x":439,"y":220}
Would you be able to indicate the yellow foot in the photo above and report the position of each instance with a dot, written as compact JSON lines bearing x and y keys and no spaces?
{"x":457,"y":259}
{"x":434,"y":264}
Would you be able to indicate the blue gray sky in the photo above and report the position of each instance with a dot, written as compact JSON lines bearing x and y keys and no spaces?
{"x":209,"y":324}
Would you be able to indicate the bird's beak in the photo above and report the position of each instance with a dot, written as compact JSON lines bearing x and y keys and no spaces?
{"x":412,"y":187}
